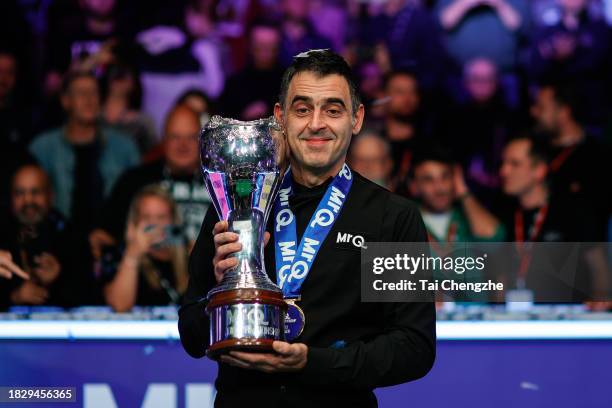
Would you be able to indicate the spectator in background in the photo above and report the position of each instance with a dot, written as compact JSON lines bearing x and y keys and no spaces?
{"x":404,"y":124}
{"x":298,"y":33}
{"x":579,"y":164}
{"x":15,"y":123}
{"x":408,"y":35}
{"x":198,"y":102}
{"x":576,"y":48}
{"x":153,"y":268}
{"x":178,"y":172}
{"x":450,"y":212}
{"x":483,"y":28}
{"x":370,"y":156}
{"x":251,"y":93}
{"x":36,"y":238}
{"x":478,"y":126}
{"x":371,"y":81}
{"x":82,"y":158}
{"x":15,"y":115}
{"x":544,"y":215}
{"x":75,"y":34}
{"x":175,"y":59}
{"x":122,"y":96}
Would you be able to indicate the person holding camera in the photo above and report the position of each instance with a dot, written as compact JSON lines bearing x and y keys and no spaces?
{"x":152,"y":270}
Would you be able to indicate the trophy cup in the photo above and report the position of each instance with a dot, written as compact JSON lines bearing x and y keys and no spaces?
{"x":242,"y":168}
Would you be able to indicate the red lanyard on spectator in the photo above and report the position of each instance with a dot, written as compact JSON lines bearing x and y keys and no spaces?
{"x":451,"y":236}
{"x":519,"y":235}
{"x":558,"y":161}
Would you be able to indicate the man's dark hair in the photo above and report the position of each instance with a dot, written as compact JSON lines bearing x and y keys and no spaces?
{"x":400,"y":72}
{"x":430,"y":152}
{"x":538,"y":149}
{"x":72,"y":76}
{"x":322,"y":63}
{"x":569,"y":95}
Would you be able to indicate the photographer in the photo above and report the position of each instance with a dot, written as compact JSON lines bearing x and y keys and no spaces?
{"x":32,"y":245}
{"x":153,"y":268}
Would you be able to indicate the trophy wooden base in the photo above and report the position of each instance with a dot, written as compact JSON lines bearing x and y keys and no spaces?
{"x":245,"y":320}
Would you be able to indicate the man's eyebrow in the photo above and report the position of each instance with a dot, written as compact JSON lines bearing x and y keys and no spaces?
{"x":336,"y":101}
{"x":301,"y":98}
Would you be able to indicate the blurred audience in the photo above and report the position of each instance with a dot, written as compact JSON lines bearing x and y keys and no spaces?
{"x":483,"y":28}
{"x":82,"y":158}
{"x":542,"y":215}
{"x":35,"y":244}
{"x":575,"y":48}
{"x":482,"y":115}
{"x":105,"y":83}
{"x":298,"y":32}
{"x":450,"y":212}
{"x":579,"y":163}
{"x":370,"y":156}
{"x":152,"y":270}
{"x":177,"y":172}
{"x":178,"y":58}
{"x":122,"y":101}
{"x":250,"y":93}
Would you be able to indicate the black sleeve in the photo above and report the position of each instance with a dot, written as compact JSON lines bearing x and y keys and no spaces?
{"x":404,"y":351}
{"x":193,"y":323}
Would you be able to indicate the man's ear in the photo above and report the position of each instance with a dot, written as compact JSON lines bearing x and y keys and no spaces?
{"x":278,"y":115}
{"x":413,"y":188}
{"x":358,"y":119}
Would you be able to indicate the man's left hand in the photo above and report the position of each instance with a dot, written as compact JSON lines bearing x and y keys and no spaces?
{"x":287,"y":358}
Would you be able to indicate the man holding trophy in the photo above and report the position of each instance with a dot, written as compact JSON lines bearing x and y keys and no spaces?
{"x":291,"y":330}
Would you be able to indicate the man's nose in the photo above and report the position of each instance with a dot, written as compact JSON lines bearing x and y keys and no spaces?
{"x":317,"y":122}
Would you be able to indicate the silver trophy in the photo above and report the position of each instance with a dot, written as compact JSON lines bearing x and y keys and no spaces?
{"x":243,"y":165}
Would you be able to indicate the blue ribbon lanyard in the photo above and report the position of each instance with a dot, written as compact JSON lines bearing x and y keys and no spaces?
{"x":292,"y":266}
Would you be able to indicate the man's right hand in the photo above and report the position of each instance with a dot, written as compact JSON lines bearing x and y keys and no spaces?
{"x":8,"y":268}
{"x":226,"y":243}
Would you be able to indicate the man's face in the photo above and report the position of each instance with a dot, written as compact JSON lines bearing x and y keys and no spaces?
{"x":30,"y":195}
{"x":8,"y":75}
{"x":545,"y":110}
{"x":519,"y":173}
{"x":433,"y":184}
{"x":404,"y":94}
{"x":318,"y":121}
{"x":481,"y":80}
{"x":100,"y":8}
{"x":82,"y":100}
{"x":265,"y":43}
{"x":181,"y":141}
{"x":573,"y":6}
{"x":370,"y":157}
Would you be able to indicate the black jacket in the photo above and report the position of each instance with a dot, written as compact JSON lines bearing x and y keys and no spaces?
{"x":353,"y":347}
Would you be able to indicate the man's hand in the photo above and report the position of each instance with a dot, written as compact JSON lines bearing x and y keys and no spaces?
{"x":287,"y":358}
{"x":226,"y":243}
{"x":8,"y":268}
{"x":48,"y":268}
{"x":459,"y":185}
{"x":29,"y":293}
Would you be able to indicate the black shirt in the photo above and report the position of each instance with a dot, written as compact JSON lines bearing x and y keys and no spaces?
{"x":353,"y":347}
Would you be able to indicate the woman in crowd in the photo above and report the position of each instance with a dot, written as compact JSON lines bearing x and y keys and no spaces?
{"x":153,"y":267}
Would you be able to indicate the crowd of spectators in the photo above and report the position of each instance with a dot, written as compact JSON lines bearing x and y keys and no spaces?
{"x":486,"y":112}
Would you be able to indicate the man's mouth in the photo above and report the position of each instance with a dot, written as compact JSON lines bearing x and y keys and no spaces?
{"x":317,"y":140}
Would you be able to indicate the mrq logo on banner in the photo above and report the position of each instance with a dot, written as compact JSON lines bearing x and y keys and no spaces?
{"x":559,"y":272}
